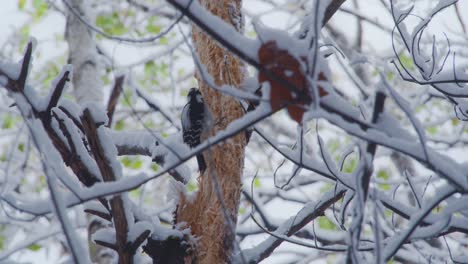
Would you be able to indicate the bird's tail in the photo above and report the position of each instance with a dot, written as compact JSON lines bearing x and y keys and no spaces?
{"x":201,"y":163}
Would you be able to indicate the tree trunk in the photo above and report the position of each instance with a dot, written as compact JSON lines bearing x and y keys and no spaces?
{"x":87,"y":86}
{"x":83,"y":54}
{"x":214,"y":227}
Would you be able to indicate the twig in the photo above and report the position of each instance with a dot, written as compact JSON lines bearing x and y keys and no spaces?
{"x":114,"y":98}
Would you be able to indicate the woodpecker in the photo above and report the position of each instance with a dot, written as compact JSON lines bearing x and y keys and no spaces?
{"x":193,"y":116}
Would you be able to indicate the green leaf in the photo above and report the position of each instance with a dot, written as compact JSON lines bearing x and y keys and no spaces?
{"x":406,"y":61}
{"x":135,"y":193}
{"x":132,"y":163}
{"x":120,"y":125}
{"x":257,"y":183}
{"x":384,"y":186}
{"x":419,"y":108}
{"x":136,"y":164}
{"x":111,"y":24}
{"x":326,"y":187}
{"x":34,"y":247}
{"x":432,"y":130}
{"x":42,"y":184}
{"x":21,"y":147}
{"x":126,"y":161}
{"x":192,"y":187}
{"x":8,"y":122}
{"x":163,"y":68}
{"x":184,"y":94}
{"x":382,"y":174}
{"x":52,"y":72}
{"x":151,"y":27}
{"x":105,"y":79}
{"x":21,"y":4}
{"x":333,"y":145}
{"x":324,"y":223}
{"x":150,"y":68}
{"x":68,"y":96}
{"x":242,"y":211}
{"x":163,"y":41}
{"x":24,"y":33}
{"x":388,"y":213}
{"x":150,"y":124}
{"x":390,"y":76}
{"x":180,"y":72}
{"x":40,"y":9}
{"x":2,"y":242}
{"x":437,"y":209}
{"x":375,"y":72}
{"x":127,"y":98}
{"x":349,"y":166}
{"x":252,"y":34}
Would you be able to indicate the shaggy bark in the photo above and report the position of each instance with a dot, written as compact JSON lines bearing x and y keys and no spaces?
{"x":211,"y":219}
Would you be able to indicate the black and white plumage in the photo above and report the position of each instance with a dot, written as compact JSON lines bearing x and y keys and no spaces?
{"x":193,"y":116}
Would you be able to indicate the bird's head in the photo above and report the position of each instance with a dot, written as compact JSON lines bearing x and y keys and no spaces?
{"x":194,"y":94}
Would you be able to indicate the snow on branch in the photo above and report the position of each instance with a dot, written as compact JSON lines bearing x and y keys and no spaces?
{"x":308,"y":213}
{"x":65,"y":135}
{"x":431,"y":68}
{"x":409,"y":214}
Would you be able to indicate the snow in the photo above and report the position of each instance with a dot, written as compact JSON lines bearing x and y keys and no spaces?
{"x":115,"y":187}
{"x":38,"y":236}
{"x":97,"y":111}
{"x":84,"y":56}
{"x":250,"y":84}
{"x":171,"y":149}
{"x":12,"y":70}
{"x":175,"y":190}
{"x":137,"y":139}
{"x":176,"y":151}
{"x":384,"y":136}
{"x":242,"y":93}
{"x":73,"y":108}
{"x":162,"y":233}
{"x":67,"y":68}
{"x":393,"y":242}
{"x":3,"y":79}
{"x":345,"y":179}
{"x":33,"y":42}
{"x":39,"y":102}
{"x":106,"y":235}
{"x":128,"y":211}
{"x":137,"y":229}
{"x":283,"y":40}
{"x":53,"y":164}
{"x":55,"y":126}
{"x":110,"y":151}
{"x":96,"y":206}
{"x":80,"y":149}
{"x":280,"y":233}
{"x":389,"y":132}
{"x":221,"y":28}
